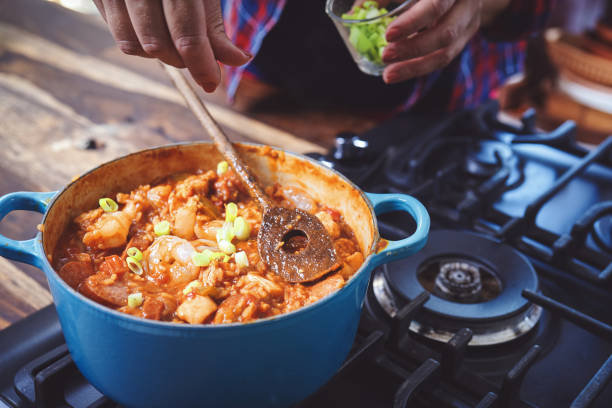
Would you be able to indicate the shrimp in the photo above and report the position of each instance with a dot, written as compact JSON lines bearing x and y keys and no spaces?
{"x":208,"y":230}
{"x":168,"y":260}
{"x":185,"y":218}
{"x":293,"y":197}
{"x":111,"y":229}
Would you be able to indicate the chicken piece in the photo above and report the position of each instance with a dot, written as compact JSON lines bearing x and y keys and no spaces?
{"x":213,"y":275}
{"x":111,"y":229}
{"x":333,"y":229}
{"x":168,"y":260}
{"x":75,"y":272}
{"x":236,"y":308}
{"x":198,"y":184}
{"x":351,"y":264}
{"x":270,"y":287}
{"x":196,"y":309}
{"x":185,"y":218}
{"x":326,"y":286}
{"x":158,"y":195}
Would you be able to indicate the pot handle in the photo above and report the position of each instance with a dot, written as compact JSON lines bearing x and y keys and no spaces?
{"x":395,"y":250}
{"x":23,"y":251}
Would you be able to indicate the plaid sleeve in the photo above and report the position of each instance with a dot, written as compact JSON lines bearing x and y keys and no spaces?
{"x":247,"y":22}
{"x":519,"y":20}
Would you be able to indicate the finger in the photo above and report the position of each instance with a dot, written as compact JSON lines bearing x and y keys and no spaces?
{"x":402,"y":71}
{"x":100,"y":7}
{"x":149,"y":24}
{"x":423,"y":14}
{"x":443,"y":34}
{"x":225,"y":51}
{"x":416,"y":67}
{"x":118,"y":21}
{"x":185,"y":20}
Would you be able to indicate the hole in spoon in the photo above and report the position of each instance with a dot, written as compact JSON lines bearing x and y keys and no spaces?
{"x":294,"y":241}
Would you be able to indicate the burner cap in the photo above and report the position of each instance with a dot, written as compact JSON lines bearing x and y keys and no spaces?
{"x":455,"y":279}
{"x":475,"y":282}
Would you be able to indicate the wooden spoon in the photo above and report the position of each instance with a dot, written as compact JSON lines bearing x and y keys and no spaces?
{"x":292,"y":242}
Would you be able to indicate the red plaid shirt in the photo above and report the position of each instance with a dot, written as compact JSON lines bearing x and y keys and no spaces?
{"x":489,"y":58}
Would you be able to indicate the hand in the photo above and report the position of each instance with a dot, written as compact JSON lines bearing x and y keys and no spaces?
{"x":429,"y":35}
{"x":187,"y":34}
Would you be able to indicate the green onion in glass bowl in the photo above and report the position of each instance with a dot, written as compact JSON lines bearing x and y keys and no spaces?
{"x":363,"y":29}
{"x":369,"y":39}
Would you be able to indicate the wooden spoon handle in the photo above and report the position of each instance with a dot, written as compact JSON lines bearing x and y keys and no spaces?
{"x":223,"y":144}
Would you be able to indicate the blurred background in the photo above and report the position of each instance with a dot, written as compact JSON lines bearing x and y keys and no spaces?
{"x":568,"y":73}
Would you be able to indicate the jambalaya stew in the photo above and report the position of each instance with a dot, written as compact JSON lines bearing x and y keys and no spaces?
{"x":185,"y":250}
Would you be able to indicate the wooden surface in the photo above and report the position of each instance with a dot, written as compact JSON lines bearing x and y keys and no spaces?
{"x":63,"y":83}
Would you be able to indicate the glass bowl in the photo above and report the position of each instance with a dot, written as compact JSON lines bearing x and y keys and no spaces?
{"x":366,"y":51}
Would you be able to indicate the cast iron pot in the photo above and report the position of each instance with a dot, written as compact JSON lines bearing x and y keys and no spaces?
{"x":272,"y":362}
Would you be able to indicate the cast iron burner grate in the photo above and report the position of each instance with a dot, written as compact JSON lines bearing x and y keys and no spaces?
{"x":523,"y":197}
{"x":498,"y":319}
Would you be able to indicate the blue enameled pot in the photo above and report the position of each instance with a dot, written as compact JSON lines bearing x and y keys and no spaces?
{"x":272,"y":362}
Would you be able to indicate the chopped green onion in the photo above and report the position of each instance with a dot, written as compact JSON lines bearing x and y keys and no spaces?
{"x":162,"y":228}
{"x":202,"y":258}
{"x":108,"y":204}
{"x":135,"y":253}
{"x":359,"y":39}
{"x":134,"y":265}
{"x":242,"y":229}
{"x":226,"y":258}
{"x":371,"y":13}
{"x":368,"y":38}
{"x":193,"y":286}
{"x":225,"y":233}
{"x":241,"y":259}
{"x":231,"y":211}
{"x":217,"y":255}
{"x":227,"y":247}
{"x":222,"y":167}
{"x":135,"y":300}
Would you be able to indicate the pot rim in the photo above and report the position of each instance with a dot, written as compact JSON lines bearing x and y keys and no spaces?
{"x":147,"y":323}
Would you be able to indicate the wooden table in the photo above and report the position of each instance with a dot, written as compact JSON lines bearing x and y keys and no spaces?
{"x":64,"y":85}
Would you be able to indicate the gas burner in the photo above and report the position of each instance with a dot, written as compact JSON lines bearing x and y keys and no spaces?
{"x":350,"y":147}
{"x":478,"y":160}
{"x":351,"y":156}
{"x":475,"y":282}
{"x":602,"y":233}
{"x":459,"y":280}
{"x":487,"y":157}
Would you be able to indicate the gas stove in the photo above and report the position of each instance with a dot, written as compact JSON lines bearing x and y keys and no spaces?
{"x":508,"y":304}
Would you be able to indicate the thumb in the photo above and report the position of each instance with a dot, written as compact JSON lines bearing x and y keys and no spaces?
{"x":225,"y":51}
